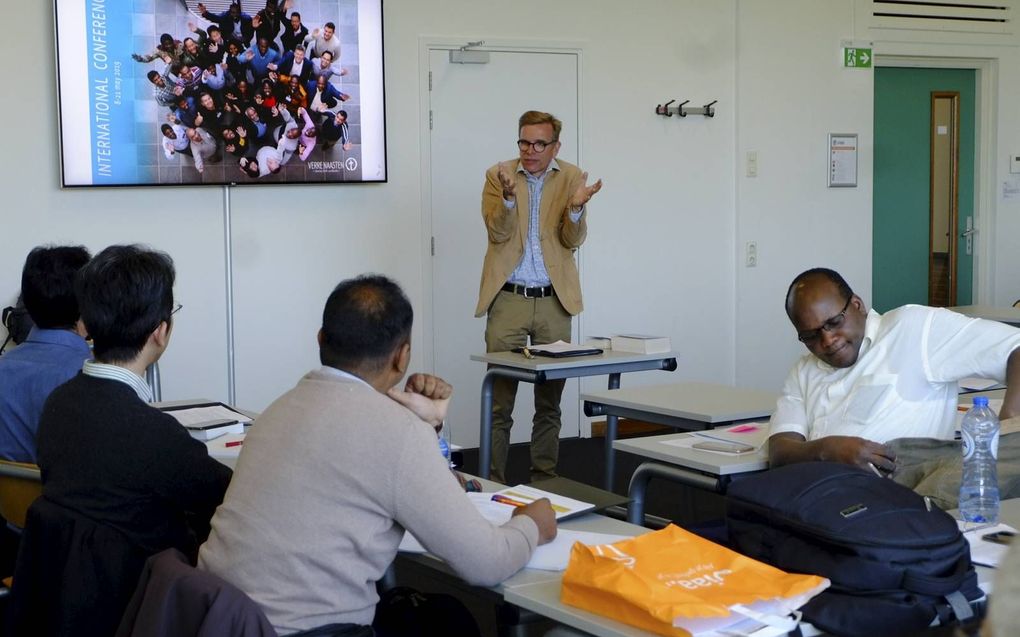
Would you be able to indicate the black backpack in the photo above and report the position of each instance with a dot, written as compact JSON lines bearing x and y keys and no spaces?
{"x":896,"y":564}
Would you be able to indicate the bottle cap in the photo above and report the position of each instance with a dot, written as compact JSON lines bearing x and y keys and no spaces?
{"x":981,"y":401}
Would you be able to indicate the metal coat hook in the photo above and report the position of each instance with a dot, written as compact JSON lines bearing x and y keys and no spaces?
{"x":681,"y":109}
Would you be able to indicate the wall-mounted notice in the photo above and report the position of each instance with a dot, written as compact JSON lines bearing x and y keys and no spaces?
{"x":842,"y":160}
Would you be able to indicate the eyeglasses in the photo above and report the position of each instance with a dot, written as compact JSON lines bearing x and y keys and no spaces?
{"x":810,"y":337}
{"x":538,"y":146}
{"x":177,"y":308}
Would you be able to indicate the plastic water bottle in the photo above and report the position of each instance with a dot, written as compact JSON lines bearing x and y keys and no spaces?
{"x":444,"y":446}
{"x":979,"y":488}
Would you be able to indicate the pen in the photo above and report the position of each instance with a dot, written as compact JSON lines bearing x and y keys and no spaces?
{"x":875,"y":469}
{"x":502,"y":499}
{"x":234,"y":443}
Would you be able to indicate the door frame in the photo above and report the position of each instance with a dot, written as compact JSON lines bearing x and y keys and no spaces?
{"x":427,"y":44}
{"x":986,"y":96}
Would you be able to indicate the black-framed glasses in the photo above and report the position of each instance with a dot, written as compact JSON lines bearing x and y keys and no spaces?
{"x":810,"y":337}
{"x":177,"y":308}
{"x":538,"y":146}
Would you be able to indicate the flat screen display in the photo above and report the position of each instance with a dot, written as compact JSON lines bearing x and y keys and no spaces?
{"x":170,"y":92}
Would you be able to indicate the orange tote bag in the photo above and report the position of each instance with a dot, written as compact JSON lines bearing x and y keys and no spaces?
{"x":672,"y":582}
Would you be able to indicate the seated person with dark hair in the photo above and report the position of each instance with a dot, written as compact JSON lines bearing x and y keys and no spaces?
{"x":870,"y":378}
{"x":121,"y":466}
{"x":53,"y":353}
{"x":335,"y":470}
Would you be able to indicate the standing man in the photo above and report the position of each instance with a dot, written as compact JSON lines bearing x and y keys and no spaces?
{"x":534,"y":212}
{"x":52,"y":354}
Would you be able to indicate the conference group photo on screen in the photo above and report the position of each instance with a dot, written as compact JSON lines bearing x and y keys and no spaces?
{"x":221,"y":92}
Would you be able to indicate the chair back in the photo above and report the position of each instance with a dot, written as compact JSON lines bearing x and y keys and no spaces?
{"x":20,"y":485}
{"x":175,"y":599}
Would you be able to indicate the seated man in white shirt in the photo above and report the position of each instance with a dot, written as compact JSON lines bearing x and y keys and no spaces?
{"x":334,"y":470}
{"x":870,"y":378}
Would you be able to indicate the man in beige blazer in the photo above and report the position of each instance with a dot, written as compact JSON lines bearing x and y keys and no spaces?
{"x":534,"y":213}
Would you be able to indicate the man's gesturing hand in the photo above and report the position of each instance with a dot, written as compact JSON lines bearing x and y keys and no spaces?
{"x":506,"y":181}
{"x":584,"y":192}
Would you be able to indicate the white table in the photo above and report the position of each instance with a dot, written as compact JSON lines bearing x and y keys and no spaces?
{"x":1008,"y":315}
{"x":543,"y":597}
{"x":541,"y":369}
{"x":684,"y":465}
{"x":682,"y":405}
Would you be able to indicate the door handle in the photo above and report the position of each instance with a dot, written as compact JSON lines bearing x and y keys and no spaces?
{"x":968,"y":232}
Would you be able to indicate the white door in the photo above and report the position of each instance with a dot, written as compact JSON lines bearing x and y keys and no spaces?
{"x":474,"y":111}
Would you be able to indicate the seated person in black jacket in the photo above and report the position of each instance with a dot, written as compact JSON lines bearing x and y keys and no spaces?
{"x":104,"y":452}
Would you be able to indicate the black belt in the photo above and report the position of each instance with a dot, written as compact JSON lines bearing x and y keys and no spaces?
{"x":529,"y":293}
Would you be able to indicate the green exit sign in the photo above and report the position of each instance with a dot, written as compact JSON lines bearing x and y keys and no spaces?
{"x":857,"y":58}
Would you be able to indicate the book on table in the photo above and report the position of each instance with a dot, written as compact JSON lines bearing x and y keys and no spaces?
{"x":206,"y":421}
{"x":558,"y":349}
{"x":641,"y":343}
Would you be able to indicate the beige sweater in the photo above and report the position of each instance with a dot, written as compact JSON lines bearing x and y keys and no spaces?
{"x":329,"y":477}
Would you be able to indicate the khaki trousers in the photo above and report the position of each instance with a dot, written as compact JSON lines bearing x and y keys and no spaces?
{"x":511,"y":319}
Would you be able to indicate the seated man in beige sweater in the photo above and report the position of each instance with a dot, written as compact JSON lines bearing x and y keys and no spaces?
{"x":336,"y":469}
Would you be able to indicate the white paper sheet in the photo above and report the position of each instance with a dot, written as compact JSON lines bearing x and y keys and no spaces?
{"x":982,"y":551}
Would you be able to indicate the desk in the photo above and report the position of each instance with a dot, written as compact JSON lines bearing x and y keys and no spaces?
{"x":1009,"y":513}
{"x":540,"y":369}
{"x":682,"y":405}
{"x":543,"y":597}
{"x":1008,"y":315}
{"x":684,"y":465}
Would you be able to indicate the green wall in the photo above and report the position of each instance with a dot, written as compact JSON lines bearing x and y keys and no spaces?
{"x":901,"y":183}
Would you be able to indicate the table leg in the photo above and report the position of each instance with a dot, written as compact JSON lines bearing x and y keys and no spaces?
{"x":611,"y":427}
{"x":485,"y":434}
{"x":648,"y":470}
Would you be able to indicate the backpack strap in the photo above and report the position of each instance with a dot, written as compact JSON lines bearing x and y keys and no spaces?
{"x":961,"y":607}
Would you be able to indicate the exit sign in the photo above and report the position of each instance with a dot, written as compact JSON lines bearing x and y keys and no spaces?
{"x":857,"y":58}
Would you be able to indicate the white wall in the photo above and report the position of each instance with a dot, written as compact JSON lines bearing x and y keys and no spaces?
{"x":793,"y":92}
{"x":665,"y":248}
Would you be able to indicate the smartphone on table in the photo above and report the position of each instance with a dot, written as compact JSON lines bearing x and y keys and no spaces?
{"x":999,"y":537}
{"x":723,"y":446}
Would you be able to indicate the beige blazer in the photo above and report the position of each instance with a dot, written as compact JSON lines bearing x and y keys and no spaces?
{"x":508,"y":230}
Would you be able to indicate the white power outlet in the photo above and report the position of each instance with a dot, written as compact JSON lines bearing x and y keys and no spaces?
{"x":751,"y":260}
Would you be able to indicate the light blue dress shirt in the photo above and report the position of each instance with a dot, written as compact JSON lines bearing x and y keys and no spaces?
{"x":28,"y":374}
{"x":531,"y":272}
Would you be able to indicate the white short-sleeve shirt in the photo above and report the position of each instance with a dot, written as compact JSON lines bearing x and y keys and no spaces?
{"x":904,"y":383}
